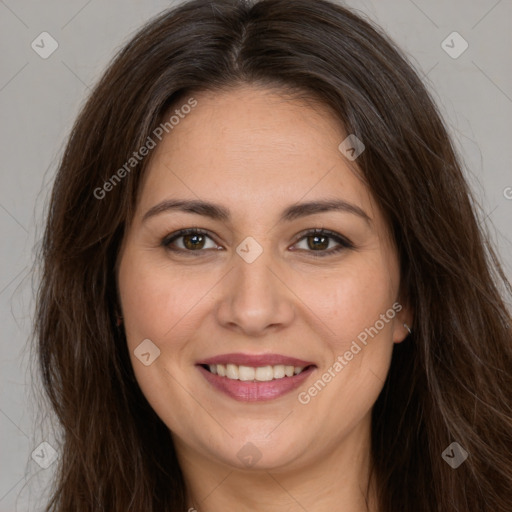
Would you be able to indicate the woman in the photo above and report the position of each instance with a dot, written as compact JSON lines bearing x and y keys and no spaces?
{"x":265,"y":285}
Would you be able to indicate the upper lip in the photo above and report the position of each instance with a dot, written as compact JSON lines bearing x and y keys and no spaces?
{"x":255,"y":360}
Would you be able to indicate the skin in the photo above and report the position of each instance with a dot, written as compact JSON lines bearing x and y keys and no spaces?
{"x":256,"y":151}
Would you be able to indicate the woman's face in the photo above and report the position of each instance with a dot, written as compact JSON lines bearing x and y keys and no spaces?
{"x":257,"y":294}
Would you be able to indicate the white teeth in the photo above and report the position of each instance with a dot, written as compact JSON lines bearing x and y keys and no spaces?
{"x":246,"y":373}
{"x":264,"y":373}
{"x":249,"y":373}
{"x":232,"y":371}
{"x":279,"y":371}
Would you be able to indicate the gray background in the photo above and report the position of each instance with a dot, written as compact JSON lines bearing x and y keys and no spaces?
{"x":40,"y":98}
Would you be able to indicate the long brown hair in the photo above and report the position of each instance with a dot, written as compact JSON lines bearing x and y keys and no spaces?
{"x":450,"y":381}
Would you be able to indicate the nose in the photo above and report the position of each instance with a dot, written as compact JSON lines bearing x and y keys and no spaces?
{"x":255,"y":298}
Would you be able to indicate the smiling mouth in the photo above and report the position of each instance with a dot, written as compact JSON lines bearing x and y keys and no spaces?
{"x":255,"y":374}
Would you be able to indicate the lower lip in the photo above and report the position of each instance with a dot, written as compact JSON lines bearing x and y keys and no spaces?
{"x":250,"y":391}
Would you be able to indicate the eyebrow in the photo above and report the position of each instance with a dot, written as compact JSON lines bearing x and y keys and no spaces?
{"x":218,"y":212}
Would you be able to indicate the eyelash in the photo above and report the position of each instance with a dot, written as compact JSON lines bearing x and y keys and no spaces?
{"x":343,"y":242}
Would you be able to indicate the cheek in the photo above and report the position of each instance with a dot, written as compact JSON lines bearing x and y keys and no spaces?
{"x":354,"y":298}
{"x":157,"y":306}
{"x":155,"y":299}
{"x":358,"y":310}
{"x":356,"y":305}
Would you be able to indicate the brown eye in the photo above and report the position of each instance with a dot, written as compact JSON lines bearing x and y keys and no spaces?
{"x":319,"y":240}
{"x":193,"y":241}
{"x":188,"y":240}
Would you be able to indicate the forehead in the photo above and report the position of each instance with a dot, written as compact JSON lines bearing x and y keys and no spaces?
{"x":255,"y":149}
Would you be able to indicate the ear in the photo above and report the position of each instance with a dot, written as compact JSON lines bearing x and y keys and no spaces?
{"x":404,"y":316}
